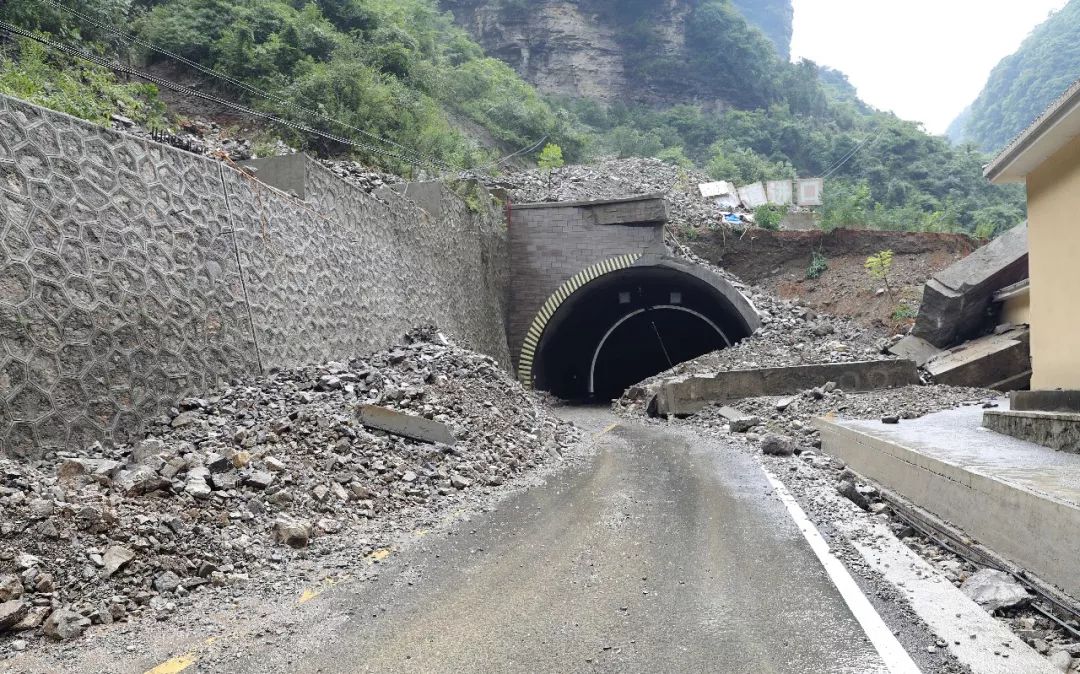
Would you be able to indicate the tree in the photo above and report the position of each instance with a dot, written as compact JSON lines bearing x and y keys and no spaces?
{"x":879,"y":265}
{"x":550,"y":157}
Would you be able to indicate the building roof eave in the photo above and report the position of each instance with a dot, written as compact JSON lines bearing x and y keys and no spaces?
{"x":1051,"y":131}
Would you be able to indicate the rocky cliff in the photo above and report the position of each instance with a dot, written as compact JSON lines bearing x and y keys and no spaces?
{"x":607,"y":50}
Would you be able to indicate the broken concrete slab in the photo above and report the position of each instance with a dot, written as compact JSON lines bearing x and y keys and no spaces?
{"x":405,"y":425}
{"x":956,"y":301}
{"x":687,"y":396}
{"x":1001,"y":362}
{"x":915,"y":349}
{"x":738,"y":421}
{"x":1056,"y":430}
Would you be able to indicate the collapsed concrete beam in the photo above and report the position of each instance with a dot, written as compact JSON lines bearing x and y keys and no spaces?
{"x":682,"y":397}
{"x":956,"y":301}
{"x":405,"y":425}
{"x":915,"y":349}
{"x":1001,"y":362}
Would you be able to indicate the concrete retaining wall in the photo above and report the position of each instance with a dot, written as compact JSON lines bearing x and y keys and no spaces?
{"x":132,"y":274}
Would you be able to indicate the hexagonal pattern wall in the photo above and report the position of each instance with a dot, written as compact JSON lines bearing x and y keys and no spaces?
{"x":133,"y":274}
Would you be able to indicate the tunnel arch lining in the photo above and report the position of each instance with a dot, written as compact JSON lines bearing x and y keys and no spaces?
{"x":741,"y":309}
{"x":636,"y":312}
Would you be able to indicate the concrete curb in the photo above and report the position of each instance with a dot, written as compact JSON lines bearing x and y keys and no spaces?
{"x":1035,"y":531}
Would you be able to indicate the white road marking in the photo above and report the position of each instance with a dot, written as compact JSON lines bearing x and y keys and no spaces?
{"x":896,"y":658}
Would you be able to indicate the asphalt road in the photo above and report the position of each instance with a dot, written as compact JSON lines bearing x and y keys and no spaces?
{"x":662,"y":555}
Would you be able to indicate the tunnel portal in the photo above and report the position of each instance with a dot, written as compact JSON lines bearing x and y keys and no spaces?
{"x":628,"y":325}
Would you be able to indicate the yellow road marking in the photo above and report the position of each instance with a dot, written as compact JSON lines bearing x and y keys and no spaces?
{"x":175,"y":665}
{"x":310,"y":593}
{"x":179,"y":663}
{"x":609,"y":428}
{"x":379,"y":555}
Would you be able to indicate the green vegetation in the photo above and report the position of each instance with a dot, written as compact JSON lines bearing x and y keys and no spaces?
{"x":818,"y":265}
{"x":399,"y":69}
{"x":550,"y":157}
{"x":797,"y":119}
{"x":879,"y":265}
{"x":1025,"y":83}
{"x":769,"y":216}
{"x":904,"y":312}
{"x":773,"y":18}
{"x":76,"y":87}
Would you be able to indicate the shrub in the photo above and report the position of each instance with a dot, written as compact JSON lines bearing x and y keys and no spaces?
{"x":818,"y":265}
{"x":769,"y":216}
{"x":904,"y":312}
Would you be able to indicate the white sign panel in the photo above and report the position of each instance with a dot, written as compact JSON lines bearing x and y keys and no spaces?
{"x":779,"y":192}
{"x":753,"y":195}
{"x":809,"y":191}
{"x":717,"y":189}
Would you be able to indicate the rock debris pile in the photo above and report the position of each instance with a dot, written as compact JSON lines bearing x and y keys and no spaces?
{"x":360,"y":176}
{"x":209,"y":138}
{"x":617,"y":179}
{"x":201,"y":137}
{"x":231,"y":488}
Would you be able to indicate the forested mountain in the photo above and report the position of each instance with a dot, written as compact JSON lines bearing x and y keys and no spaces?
{"x":690,"y":81}
{"x":772,"y":17}
{"x":397,"y":69}
{"x":1025,"y":83}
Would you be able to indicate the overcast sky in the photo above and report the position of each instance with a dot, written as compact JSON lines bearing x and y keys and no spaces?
{"x":925,"y":60}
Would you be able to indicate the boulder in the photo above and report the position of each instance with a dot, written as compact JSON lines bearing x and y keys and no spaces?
{"x":292,"y":531}
{"x":63,"y":624}
{"x":995,"y":590}
{"x":776,"y":445}
{"x":116,"y":558}
{"x":848,"y":490}
{"x":10,"y":587}
{"x":11,"y":612}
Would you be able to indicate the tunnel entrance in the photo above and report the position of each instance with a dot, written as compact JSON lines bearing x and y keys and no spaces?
{"x":628,"y":325}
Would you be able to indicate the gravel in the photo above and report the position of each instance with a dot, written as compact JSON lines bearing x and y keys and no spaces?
{"x":619,"y":178}
{"x":229,"y":491}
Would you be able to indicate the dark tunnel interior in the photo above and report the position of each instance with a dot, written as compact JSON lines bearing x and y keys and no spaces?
{"x":629,"y":325}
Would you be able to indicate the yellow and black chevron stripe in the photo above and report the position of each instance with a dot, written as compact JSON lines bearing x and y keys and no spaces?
{"x":536,"y":330}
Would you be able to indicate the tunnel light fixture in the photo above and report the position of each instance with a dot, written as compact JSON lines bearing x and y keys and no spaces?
{"x":676,"y":297}
{"x":624,"y":298}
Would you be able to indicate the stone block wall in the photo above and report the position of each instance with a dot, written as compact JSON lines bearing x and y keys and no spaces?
{"x":550,"y":243}
{"x":133,"y":274}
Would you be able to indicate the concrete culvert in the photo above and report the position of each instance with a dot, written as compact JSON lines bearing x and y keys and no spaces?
{"x":633,"y":323}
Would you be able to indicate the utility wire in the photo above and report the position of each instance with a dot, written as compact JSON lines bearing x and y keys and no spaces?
{"x":524,"y":150}
{"x":179,"y":88}
{"x":247,"y":87}
{"x":852,"y":153}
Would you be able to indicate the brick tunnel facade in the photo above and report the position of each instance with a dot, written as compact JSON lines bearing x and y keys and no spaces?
{"x":597,"y":302}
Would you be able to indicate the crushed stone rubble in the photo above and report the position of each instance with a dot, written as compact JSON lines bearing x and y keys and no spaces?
{"x":209,"y":138}
{"x":230,"y":489}
{"x":791,"y":334}
{"x":617,"y":179}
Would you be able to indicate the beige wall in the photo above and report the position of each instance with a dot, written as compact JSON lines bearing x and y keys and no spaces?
{"x":1017,"y":310}
{"x":1054,"y":260}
